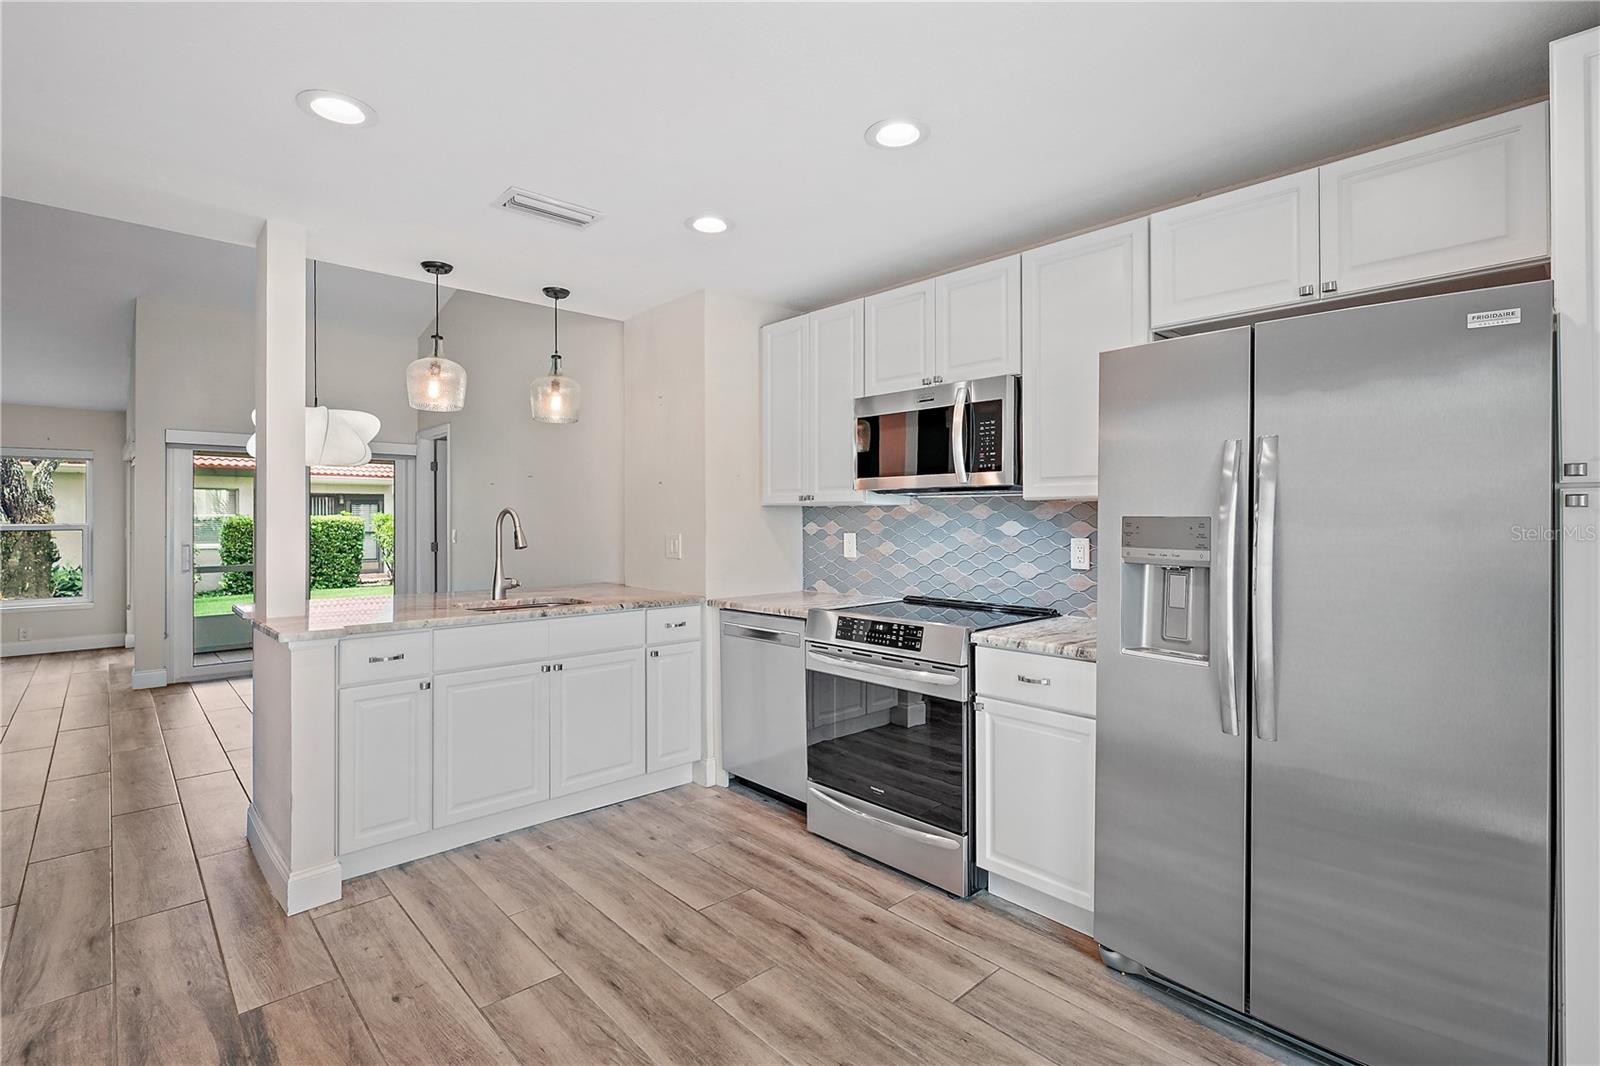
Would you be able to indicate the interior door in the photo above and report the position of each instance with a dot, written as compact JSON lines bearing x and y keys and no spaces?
{"x":1401,"y":784}
{"x":1170,"y":780}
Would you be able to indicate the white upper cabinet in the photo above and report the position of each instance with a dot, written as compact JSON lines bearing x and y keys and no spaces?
{"x":784,"y":352}
{"x":1080,"y":297}
{"x":1575,"y":238}
{"x":1453,"y":202}
{"x":838,"y":343}
{"x":978,"y":321}
{"x":899,"y":340}
{"x":1241,"y":251}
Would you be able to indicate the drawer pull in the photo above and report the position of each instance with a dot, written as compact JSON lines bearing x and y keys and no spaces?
{"x":654,"y":654}
{"x":676,"y":625}
{"x":386,"y":658}
{"x":1026,"y":680}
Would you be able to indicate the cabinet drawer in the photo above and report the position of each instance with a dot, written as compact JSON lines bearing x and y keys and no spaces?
{"x":471,"y":647}
{"x":669,"y":625}
{"x":391,"y":657}
{"x":597,"y":632}
{"x":1047,"y":681}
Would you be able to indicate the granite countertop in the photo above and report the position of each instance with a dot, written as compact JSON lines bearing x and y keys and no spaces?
{"x":344,"y":616}
{"x":794,"y":604}
{"x":1071,"y":636}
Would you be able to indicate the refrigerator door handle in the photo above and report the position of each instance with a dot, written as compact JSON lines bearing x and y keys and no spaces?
{"x":1227,"y":624}
{"x":1264,"y":606}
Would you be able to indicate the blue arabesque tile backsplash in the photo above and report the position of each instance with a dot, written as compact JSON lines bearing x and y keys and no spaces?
{"x":996,"y":548}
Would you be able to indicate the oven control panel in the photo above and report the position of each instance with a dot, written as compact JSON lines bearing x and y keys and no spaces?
{"x":902,"y":636}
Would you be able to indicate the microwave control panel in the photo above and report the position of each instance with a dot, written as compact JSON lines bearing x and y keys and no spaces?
{"x":986,"y":434}
{"x":901,"y":636}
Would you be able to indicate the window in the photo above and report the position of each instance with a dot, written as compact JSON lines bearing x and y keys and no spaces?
{"x":212,"y":507}
{"x":45,"y":543}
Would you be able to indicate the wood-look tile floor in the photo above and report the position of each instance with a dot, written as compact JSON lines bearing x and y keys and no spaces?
{"x":693,"y":926}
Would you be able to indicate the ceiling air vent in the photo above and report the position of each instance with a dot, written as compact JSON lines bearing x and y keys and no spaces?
{"x":548,"y":208}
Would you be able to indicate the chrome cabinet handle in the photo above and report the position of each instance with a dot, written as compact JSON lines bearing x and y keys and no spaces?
{"x":1227,"y":624}
{"x":1308,"y":290}
{"x":676,"y":625}
{"x":654,"y":654}
{"x":1026,"y":680}
{"x":386,"y":658}
{"x":1330,"y":286}
{"x":1264,"y":615}
{"x":958,"y":434}
{"x":1576,"y":499}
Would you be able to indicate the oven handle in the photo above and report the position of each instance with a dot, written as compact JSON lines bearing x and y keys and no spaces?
{"x":927,"y":677}
{"x":927,"y":838}
{"x":958,"y":433}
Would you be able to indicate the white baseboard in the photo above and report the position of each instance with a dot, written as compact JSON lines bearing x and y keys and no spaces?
{"x":1068,"y":914}
{"x":127,"y":640}
{"x":49,"y":647}
{"x":295,"y":890}
{"x":150,"y":678}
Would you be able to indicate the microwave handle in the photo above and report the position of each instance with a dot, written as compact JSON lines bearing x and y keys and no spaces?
{"x":958,"y":433}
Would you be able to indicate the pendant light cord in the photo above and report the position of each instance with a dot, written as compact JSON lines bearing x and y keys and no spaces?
{"x":437,"y":336}
{"x":315,"y":398}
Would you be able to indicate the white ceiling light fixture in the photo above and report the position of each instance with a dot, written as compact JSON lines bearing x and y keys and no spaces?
{"x":895,"y":133}
{"x":434,"y":383}
{"x":708,"y":224}
{"x":548,"y":208}
{"x":335,"y":107}
{"x":555,"y":398}
{"x":334,"y":437}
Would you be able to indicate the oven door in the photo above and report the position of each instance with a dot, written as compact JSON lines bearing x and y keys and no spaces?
{"x":893,"y":732}
{"x":961,"y":435}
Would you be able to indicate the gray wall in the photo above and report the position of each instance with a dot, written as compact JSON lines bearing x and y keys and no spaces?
{"x":565,"y":481}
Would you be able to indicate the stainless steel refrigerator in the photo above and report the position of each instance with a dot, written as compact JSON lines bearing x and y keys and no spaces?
{"x":1324,"y":766}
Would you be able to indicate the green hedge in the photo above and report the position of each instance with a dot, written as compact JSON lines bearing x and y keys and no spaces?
{"x":383,"y":529}
{"x":336,"y":543}
{"x":238,"y":541}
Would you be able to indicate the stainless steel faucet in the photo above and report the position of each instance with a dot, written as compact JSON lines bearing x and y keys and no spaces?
{"x":502,"y":584}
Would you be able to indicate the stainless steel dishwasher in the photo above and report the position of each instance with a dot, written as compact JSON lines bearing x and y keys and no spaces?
{"x":764,"y":702}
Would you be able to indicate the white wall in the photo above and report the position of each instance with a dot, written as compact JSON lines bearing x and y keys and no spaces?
{"x":664,"y":375}
{"x":565,"y":481}
{"x":194,"y":369}
{"x":101,"y":625}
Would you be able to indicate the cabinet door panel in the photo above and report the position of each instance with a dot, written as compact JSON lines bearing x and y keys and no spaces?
{"x":385,"y":761}
{"x":491,"y":742}
{"x":834,"y":378}
{"x":673,"y":706}
{"x":978,"y":322}
{"x":1456,"y":201}
{"x":899,"y":340}
{"x":597,"y":720}
{"x":1240,"y":251}
{"x":1080,"y":297}
{"x":1035,"y":795}
{"x":783,"y":362}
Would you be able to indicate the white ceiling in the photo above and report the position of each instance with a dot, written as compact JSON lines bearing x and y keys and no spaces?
{"x":1044,"y":118}
{"x":68,"y":282}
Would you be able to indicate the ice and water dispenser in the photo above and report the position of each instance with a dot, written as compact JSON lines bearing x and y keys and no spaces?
{"x":1166,"y":578}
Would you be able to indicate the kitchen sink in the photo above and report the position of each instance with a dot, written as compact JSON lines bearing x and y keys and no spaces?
{"x":522,"y":603}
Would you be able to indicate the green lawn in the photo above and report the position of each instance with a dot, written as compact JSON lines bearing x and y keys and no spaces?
{"x":206,"y":606}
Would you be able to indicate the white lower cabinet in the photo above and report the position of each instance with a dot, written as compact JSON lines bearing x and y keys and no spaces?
{"x":597,"y":720}
{"x":385,"y":762}
{"x":672,"y":706}
{"x":491,"y":742}
{"x":1035,"y":798}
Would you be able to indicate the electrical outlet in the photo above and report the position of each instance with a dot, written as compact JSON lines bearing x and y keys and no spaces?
{"x":1080,"y":553}
{"x":674,"y":545}
{"x":25,"y":633}
{"x":849,"y":545}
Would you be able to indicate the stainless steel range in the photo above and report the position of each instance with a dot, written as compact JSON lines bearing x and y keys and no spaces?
{"x":889,"y":731}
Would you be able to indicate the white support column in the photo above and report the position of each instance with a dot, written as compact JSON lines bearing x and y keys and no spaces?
{"x":280,"y":519}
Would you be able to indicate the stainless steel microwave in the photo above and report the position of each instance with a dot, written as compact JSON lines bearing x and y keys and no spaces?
{"x":961,"y":436}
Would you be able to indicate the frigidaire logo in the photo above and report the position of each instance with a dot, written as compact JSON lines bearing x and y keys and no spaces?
{"x":1509,"y":316}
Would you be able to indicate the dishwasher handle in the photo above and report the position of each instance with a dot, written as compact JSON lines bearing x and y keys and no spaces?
{"x":771,"y":636}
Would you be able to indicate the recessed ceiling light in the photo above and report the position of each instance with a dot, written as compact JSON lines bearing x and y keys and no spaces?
{"x":336,"y":107}
{"x":708,"y":224}
{"x":894,"y":133}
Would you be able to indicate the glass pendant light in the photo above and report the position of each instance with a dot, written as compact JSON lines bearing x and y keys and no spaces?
{"x":334,"y":436}
{"x":434,"y":383}
{"x":554,"y":397}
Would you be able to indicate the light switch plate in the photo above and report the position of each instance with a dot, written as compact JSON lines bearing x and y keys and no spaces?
{"x":1080,"y":553}
{"x":674,"y":545}
{"x":849,"y":545}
